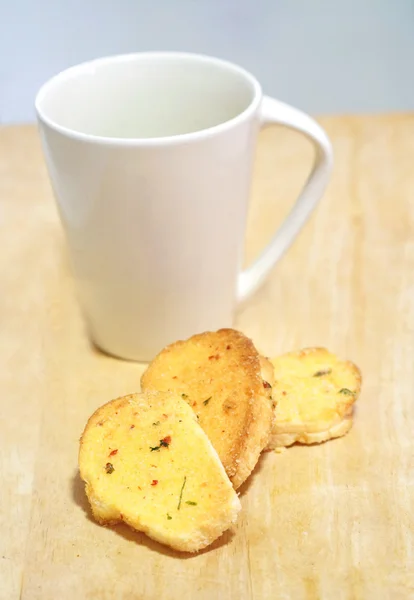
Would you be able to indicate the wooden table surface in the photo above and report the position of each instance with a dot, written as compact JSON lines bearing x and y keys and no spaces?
{"x":330,"y":521}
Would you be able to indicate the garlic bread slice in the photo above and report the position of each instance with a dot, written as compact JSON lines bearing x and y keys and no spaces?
{"x":146,"y":461}
{"x":314,"y":393}
{"x":227,"y":383}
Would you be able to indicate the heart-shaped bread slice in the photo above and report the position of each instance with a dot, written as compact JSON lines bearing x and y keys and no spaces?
{"x":228,"y":385}
{"x":314,"y":393}
{"x":146,"y":461}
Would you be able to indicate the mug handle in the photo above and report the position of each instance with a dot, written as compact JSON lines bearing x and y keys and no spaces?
{"x":273,"y":111}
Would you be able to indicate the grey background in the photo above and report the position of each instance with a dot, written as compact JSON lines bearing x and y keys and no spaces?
{"x":322,"y":56}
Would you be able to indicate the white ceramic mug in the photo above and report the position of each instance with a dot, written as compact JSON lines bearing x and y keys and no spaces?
{"x":150,"y":156}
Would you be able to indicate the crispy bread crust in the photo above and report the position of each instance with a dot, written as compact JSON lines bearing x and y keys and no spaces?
{"x":315,"y":393}
{"x":280,"y":440}
{"x":129,"y":477}
{"x":221,"y":375}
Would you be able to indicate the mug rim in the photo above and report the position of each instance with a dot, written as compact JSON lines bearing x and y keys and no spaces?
{"x":156,"y":141}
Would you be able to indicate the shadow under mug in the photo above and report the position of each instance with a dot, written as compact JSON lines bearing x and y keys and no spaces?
{"x":150,"y":157}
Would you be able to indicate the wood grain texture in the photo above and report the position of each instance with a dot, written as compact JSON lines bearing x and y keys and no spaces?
{"x":332,"y":521}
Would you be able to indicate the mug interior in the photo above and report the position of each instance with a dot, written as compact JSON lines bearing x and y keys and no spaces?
{"x":146,"y":95}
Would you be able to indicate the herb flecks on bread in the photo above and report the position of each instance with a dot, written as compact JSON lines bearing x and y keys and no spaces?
{"x":146,"y":461}
{"x":227,"y":383}
{"x":314,"y":392}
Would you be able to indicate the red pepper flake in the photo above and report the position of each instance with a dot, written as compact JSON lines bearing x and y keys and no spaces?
{"x":266,"y":384}
{"x":214,"y":357}
{"x":194,"y":403}
{"x":121,"y":516}
{"x":113,"y":453}
{"x":164,"y":443}
{"x":284,"y":393}
{"x":165,"y":416}
{"x":228,"y":347}
{"x":154,"y":482}
{"x":132,"y":426}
